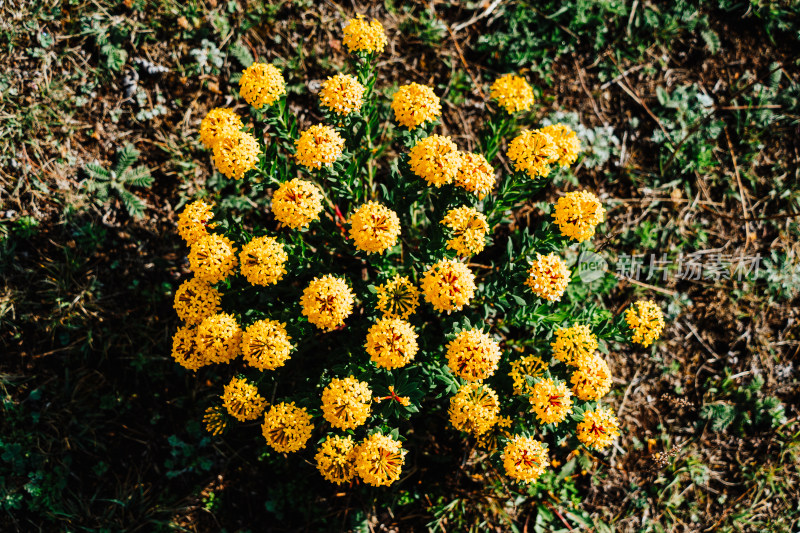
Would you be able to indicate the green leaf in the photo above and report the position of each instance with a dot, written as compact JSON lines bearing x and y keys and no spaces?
{"x":126,"y":157}
{"x":138,"y":177}
{"x":96,"y":172}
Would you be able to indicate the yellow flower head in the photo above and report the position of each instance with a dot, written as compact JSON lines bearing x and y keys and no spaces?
{"x":363,"y":36}
{"x":327,"y":301}
{"x":342,"y":94}
{"x":473,"y":355}
{"x":577,"y":214}
{"x":219,"y":338}
{"x":236,"y":154}
{"x":532,"y":152}
{"x":415,"y":104}
{"x":391,"y":343}
{"x":646,"y":320}
{"x":474,"y":409}
{"x":215,"y":420}
{"x":261,"y":85}
{"x":263,"y":261}
{"x":265,"y":344}
{"x":336,"y":459}
{"x":592,"y":379}
{"x":526,"y":367}
{"x":218,"y":124}
{"x":448,"y":285}
{"x":512,"y":93}
{"x":469,"y":228}
{"x":374,"y":228}
{"x":185,"y":350}
{"x":398,"y":297}
{"x":193,"y":221}
{"x":286,"y":427}
{"x":196,"y":299}
{"x":212,"y":258}
{"x":568,"y":146}
{"x":574,"y":344}
{"x":346,"y":402}
{"x":318,"y":145}
{"x":435,"y":159}
{"x":551,"y":403}
{"x":599,"y":428}
{"x":297,"y":203}
{"x":525,"y":458}
{"x":379,"y":460}
{"x":242,"y":400}
{"x":475,"y":174}
{"x":548,"y":277}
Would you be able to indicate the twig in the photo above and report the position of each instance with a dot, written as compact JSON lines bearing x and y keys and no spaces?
{"x":741,"y":192}
{"x":641,"y":284}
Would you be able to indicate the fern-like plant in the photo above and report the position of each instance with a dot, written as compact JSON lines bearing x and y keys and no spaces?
{"x":104,"y":184}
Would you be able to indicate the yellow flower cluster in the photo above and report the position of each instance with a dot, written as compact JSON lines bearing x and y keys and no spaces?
{"x":448,"y":285}
{"x":646,"y":320}
{"x":195,"y":300}
{"x":469,"y":228}
{"x":335,"y":459}
{"x":548,"y":277}
{"x":475,"y":174}
{"x":512,"y":93}
{"x":286,"y":427}
{"x":550,"y":401}
{"x":525,"y":458}
{"x":599,"y":428}
{"x":185,"y":351}
{"x":214,"y":419}
{"x":397,"y":298}
{"x":193,"y":221}
{"x":532,"y":152}
{"x":568,"y":146}
{"x":577,"y":214}
{"x":474,"y":409}
{"x":391,"y":343}
{"x":218,"y":124}
{"x":473,"y":355}
{"x":524,"y":370}
{"x":219,"y":338}
{"x":266,"y":345}
{"x":297,"y":203}
{"x":342,"y":94}
{"x":346,"y":402}
{"x":415,"y":104}
{"x":379,"y":460}
{"x":363,"y":36}
{"x":327,"y":301}
{"x":263,"y":261}
{"x":236,"y":154}
{"x":592,"y":379}
{"x":435,"y":159}
{"x":242,"y":400}
{"x":374,"y":228}
{"x":574,"y":344}
{"x":212,"y":258}
{"x":317,"y":146}
{"x":261,"y":85}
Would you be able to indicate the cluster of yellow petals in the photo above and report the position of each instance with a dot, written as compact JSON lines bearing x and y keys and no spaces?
{"x":475,"y":174}
{"x":592,"y":379}
{"x":374,"y":228}
{"x":342,"y":94}
{"x":193,"y":221}
{"x":391,"y":343}
{"x":346,"y":403}
{"x":195,"y":300}
{"x":266,"y":345}
{"x":359,"y":35}
{"x":525,"y":458}
{"x":398,"y":297}
{"x":525,"y":369}
{"x":212,"y":258}
{"x":297,"y":203}
{"x":577,"y":214}
{"x":242,"y":400}
{"x":568,"y":146}
{"x":263,"y":261}
{"x":469,"y":228}
{"x":218,"y":124}
{"x":327,"y":301}
{"x":513,"y":93}
{"x":215,"y":420}
{"x":261,"y":85}
{"x":236,"y":154}
{"x":379,"y":460}
{"x":574,"y":344}
{"x":335,"y":459}
{"x":415,"y":104}
{"x":532,"y":152}
{"x":317,"y":146}
{"x":435,"y":159}
{"x":646,"y":321}
{"x":448,"y":285}
{"x":548,"y":277}
{"x":219,"y":338}
{"x":286,"y":427}
{"x":599,"y":428}
{"x":473,"y":355}
{"x":474,"y":408}
{"x":185,"y":351}
{"x":550,"y":401}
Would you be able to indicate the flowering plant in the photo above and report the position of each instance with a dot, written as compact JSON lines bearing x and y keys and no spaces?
{"x":365,"y":291}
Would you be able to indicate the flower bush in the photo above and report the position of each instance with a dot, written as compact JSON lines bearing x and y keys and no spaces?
{"x":339,"y":331}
